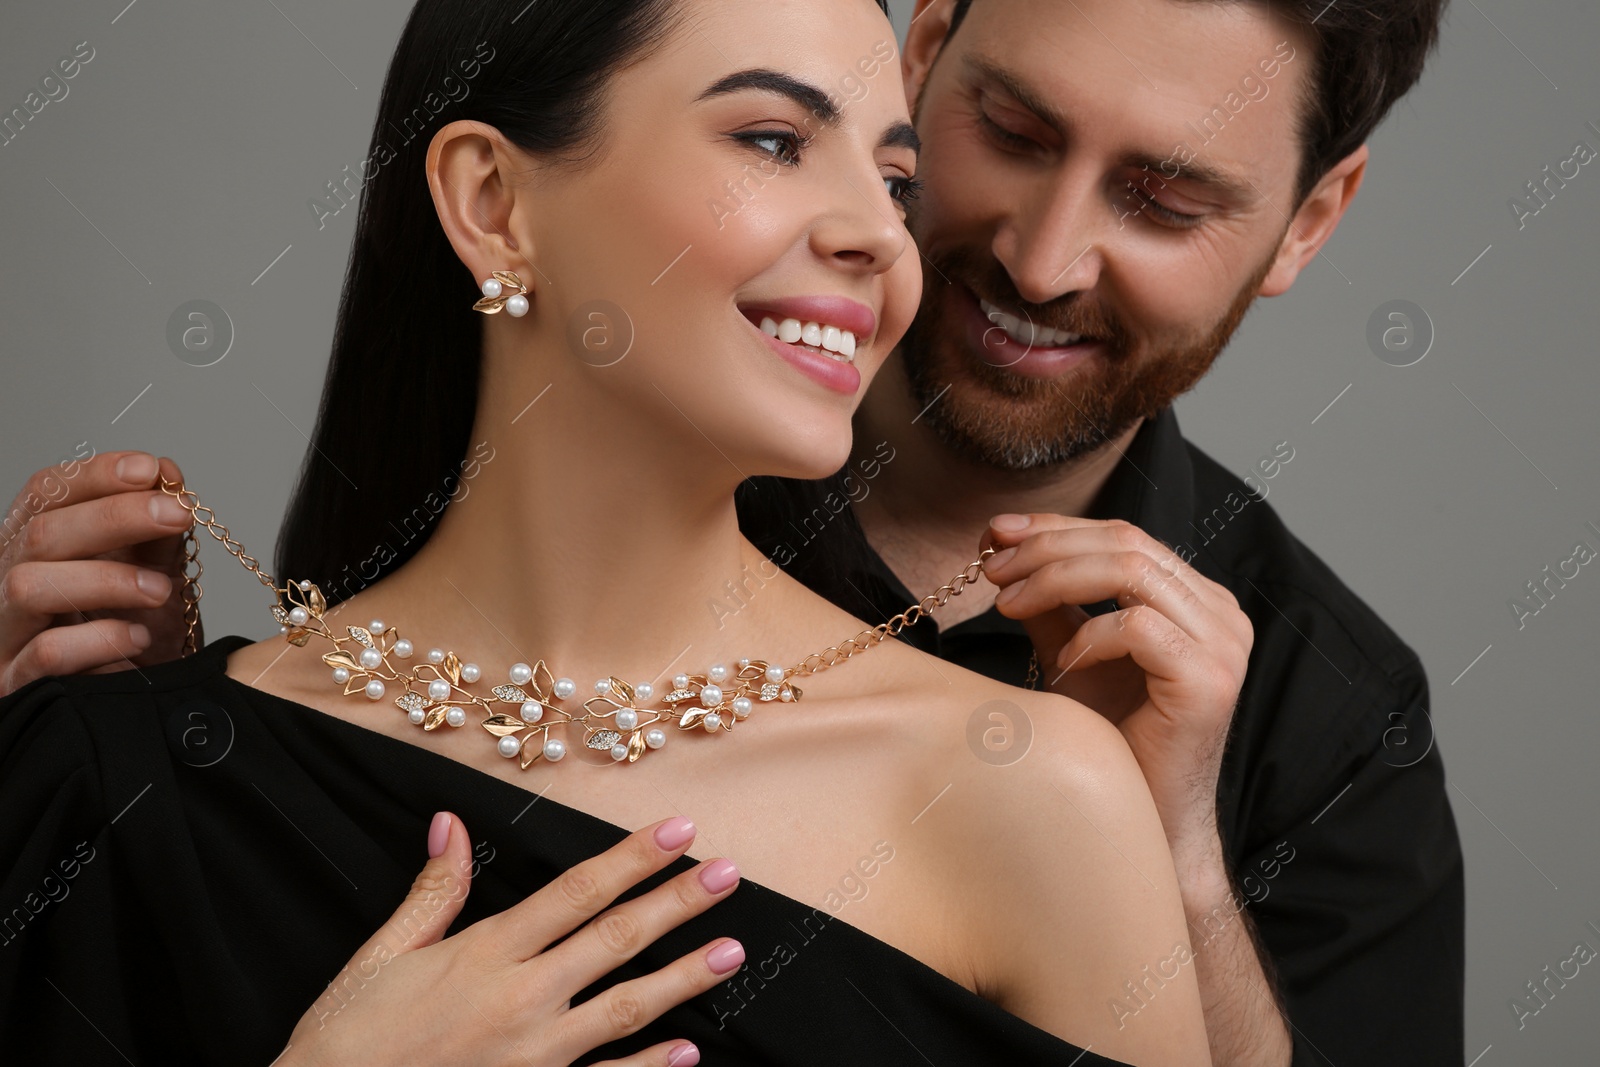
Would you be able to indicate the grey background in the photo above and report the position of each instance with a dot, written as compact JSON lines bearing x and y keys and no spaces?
{"x":180,"y":164}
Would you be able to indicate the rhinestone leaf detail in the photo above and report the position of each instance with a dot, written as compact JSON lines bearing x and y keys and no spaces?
{"x":603,"y":739}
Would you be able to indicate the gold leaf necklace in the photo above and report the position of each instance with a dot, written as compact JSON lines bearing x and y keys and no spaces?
{"x":439,"y":687}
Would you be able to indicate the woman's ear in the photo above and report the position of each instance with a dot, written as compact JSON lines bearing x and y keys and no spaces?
{"x":481,"y":212}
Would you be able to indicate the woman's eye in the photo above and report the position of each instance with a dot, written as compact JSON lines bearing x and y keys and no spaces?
{"x":903,"y":189}
{"x":782,"y":145}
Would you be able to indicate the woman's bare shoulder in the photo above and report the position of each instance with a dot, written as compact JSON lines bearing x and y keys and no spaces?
{"x":1051,"y":837}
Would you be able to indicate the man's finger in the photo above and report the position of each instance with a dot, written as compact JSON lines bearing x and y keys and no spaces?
{"x":74,"y":650}
{"x":1069,"y":535}
{"x":106,"y":474}
{"x":1127,"y":577}
{"x":83,"y":585}
{"x":95,"y":527}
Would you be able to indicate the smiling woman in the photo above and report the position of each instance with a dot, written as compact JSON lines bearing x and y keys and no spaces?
{"x":235,"y":886}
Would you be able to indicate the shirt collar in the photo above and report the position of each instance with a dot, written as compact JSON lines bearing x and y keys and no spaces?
{"x":1152,"y":487}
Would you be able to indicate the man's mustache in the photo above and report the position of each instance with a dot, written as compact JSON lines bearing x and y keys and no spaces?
{"x":1073,"y":313}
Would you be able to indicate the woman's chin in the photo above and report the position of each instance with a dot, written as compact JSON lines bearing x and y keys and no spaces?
{"x":808,"y":455}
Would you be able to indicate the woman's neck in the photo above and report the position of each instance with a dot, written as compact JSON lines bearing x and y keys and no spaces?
{"x":602,"y":546}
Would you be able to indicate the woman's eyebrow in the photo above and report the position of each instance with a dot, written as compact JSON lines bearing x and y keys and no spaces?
{"x":805,"y":94}
{"x":808,"y":96}
{"x":901,"y":135}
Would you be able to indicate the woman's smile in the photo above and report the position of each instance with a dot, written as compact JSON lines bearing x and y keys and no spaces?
{"x":818,"y":335}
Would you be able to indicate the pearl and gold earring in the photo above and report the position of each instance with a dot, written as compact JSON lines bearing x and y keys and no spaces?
{"x":503,"y":290}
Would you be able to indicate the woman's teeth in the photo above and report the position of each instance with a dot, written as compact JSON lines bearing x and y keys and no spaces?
{"x":830,"y":340}
{"x":1028,"y":333}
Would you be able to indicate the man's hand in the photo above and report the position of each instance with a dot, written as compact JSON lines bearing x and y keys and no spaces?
{"x":1166,"y":667}
{"x":91,"y":570}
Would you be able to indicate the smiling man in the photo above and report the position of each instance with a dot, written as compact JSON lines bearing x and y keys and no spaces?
{"x":1110,"y":184}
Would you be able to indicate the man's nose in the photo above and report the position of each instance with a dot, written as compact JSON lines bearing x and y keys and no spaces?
{"x":1054,"y":241}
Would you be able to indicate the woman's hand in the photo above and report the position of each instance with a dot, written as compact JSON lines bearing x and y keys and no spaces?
{"x":498,"y":993}
{"x":91,"y":564}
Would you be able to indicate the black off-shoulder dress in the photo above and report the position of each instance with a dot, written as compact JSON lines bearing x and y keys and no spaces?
{"x":187,"y":863}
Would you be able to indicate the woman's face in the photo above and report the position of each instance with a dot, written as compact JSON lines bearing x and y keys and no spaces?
{"x":753,"y":172}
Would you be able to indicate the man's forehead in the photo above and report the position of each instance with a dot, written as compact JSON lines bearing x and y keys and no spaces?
{"x":1143,"y":76}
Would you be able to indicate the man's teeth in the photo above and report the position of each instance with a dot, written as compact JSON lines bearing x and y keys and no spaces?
{"x":840,"y":344}
{"x":1028,"y":333}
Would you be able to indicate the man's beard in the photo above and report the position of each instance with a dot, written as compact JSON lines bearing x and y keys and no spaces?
{"x":1007,"y":420}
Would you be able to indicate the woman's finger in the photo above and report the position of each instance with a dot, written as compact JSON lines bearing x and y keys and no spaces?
{"x":435,"y":897}
{"x":622,"y":932}
{"x":581,"y":892}
{"x":627,"y":1006}
{"x":666,"y":1054}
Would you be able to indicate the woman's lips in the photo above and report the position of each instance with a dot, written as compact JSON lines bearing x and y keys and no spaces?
{"x":996,"y":348}
{"x":835,"y":375}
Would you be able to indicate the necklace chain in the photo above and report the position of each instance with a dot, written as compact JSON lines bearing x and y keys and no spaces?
{"x":618,"y":719}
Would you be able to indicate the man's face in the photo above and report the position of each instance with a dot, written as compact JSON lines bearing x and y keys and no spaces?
{"x":1121,"y":171}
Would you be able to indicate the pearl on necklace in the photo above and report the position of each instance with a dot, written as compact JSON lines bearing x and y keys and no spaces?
{"x":520,"y":673}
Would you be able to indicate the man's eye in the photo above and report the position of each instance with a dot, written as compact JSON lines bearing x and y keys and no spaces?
{"x":1009,"y":138}
{"x":1143,"y":203}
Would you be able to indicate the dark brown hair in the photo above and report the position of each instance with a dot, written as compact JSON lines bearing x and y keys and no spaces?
{"x":1367,"y":54}
{"x":401,"y":391}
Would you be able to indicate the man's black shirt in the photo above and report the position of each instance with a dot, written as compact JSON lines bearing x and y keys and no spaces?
{"x":1331,"y":802}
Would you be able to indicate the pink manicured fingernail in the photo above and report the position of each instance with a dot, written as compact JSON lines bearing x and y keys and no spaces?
{"x":725,"y":957}
{"x":718,"y":875}
{"x":674,"y":833}
{"x":438,"y":835}
{"x":137,"y":469}
{"x":139,"y":634}
{"x":1010,"y":523}
{"x":684,"y":1055}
